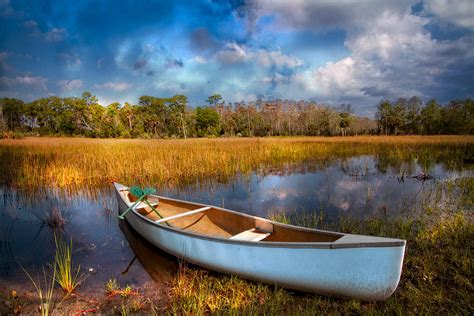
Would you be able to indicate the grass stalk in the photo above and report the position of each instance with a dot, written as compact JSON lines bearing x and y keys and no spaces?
{"x":45,"y":292}
{"x":66,"y":275}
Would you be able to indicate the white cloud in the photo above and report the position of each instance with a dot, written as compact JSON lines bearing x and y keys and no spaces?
{"x":7,"y":83}
{"x":116,"y":86}
{"x":392,"y":54}
{"x":232,"y":54}
{"x":69,"y":85}
{"x":72,"y":60}
{"x":276,"y":58}
{"x":458,"y":12}
{"x":55,"y":35}
{"x":199,"y":59}
{"x":323,"y":15}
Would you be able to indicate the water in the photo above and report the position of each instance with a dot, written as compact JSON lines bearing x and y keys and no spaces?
{"x":105,"y":249}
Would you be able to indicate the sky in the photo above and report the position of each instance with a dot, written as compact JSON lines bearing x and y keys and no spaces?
{"x":332,"y":52}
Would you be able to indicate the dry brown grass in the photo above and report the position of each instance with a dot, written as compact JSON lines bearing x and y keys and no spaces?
{"x":69,"y":162}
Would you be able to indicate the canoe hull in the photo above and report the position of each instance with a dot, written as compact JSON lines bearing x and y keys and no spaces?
{"x":366,"y":273}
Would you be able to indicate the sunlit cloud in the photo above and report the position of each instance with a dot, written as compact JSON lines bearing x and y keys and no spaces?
{"x":116,"y":86}
{"x":69,"y":85}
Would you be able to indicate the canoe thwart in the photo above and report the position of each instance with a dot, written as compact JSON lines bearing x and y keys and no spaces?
{"x":199,"y":210}
{"x":250,"y":235}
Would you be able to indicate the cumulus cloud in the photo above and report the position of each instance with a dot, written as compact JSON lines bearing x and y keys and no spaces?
{"x":234,"y":54}
{"x":199,"y":59}
{"x":116,"y":86}
{"x":322,"y":15}
{"x":458,"y":12}
{"x":53,"y":35}
{"x":276,"y":58}
{"x":7,"y":83}
{"x":392,"y":53}
{"x":146,"y":57}
{"x":69,"y":85}
{"x":71,"y":60}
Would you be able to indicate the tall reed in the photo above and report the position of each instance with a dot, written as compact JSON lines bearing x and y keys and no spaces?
{"x":66,"y":275}
{"x":46,"y":294}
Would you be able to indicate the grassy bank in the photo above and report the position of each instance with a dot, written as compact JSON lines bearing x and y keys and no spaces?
{"x":67,"y":163}
{"x":437,"y":275}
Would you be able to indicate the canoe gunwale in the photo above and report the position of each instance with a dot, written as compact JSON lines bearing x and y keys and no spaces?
{"x":268,"y":244}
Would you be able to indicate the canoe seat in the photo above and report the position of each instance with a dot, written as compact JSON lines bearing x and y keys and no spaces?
{"x":143,"y":205}
{"x":250,"y":235}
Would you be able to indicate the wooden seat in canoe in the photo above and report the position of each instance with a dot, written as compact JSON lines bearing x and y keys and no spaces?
{"x":251,"y":235}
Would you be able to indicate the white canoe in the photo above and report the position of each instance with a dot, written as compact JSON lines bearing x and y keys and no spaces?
{"x":310,"y":260}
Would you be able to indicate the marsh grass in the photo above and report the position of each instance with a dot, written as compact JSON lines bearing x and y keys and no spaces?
{"x":55,"y":219}
{"x":45,"y":291}
{"x":68,"y":163}
{"x":65,"y":274}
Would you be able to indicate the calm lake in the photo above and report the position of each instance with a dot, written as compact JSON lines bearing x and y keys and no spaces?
{"x":358,"y":186}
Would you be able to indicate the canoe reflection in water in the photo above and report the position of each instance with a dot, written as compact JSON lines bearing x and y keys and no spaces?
{"x":160,"y":265}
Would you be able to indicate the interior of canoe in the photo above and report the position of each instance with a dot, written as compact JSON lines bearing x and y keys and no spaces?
{"x":214,"y":222}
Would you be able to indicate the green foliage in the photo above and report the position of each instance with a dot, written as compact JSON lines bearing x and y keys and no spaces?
{"x":45,"y":291}
{"x":67,"y":276}
{"x":111,"y":286}
{"x":155,"y":117}
{"x":215,"y":99}
{"x":207,"y":121}
{"x":410,"y":117}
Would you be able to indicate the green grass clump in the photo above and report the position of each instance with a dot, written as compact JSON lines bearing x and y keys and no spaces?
{"x":111,"y":286}
{"x":196,"y":292}
{"x":45,"y":292}
{"x":67,"y":276}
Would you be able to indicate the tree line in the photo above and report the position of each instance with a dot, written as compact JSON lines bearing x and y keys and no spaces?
{"x":412,"y":117}
{"x":155,"y":117}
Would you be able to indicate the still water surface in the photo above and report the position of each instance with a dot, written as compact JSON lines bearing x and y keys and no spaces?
{"x":106,"y":249}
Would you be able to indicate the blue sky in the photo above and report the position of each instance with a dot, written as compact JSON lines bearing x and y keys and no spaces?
{"x":332,"y":52}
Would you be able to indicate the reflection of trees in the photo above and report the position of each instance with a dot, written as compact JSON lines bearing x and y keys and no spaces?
{"x":450,"y":157}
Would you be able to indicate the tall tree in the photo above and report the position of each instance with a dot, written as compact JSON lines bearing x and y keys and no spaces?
{"x":13,"y":112}
{"x":345,"y":117}
{"x":413,"y":117}
{"x":207,"y":121}
{"x":430,"y":117}
{"x":177,"y":107}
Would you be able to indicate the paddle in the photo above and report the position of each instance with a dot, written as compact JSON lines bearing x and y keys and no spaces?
{"x":141,"y":195}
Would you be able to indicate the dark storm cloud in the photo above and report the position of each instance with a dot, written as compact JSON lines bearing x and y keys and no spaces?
{"x":202,"y":42}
